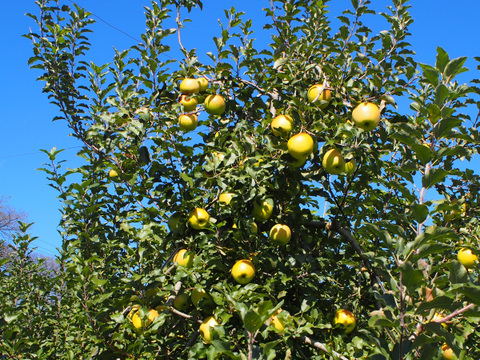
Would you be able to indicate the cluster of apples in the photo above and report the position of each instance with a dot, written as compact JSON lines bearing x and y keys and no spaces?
{"x":365,"y":116}
{"x":190,"y":89}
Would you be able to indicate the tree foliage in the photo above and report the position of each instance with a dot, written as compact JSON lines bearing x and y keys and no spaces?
{"x":380,"y":242}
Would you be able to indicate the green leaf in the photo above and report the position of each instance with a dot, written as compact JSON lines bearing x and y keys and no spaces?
{"x":420,"y":212}
{"x":440,"y":302}
{"x":458,"y":273}
{"x":433,"y":176}
{"x":455,"y":67}
{"x":252,"y":321}
{"x":442,"y":59}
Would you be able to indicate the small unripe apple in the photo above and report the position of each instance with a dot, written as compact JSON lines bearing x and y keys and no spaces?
{"x":333,"y":162}
{"x":366,"y":116}
{"x":346,"y":318}
{"x":189,"y":86}
{"x":280,"y":234}
{"x":188,"y":122}
{"x":215,"y":104}
{"x":282,"y":125}
{"x":467,"y":258}
{"x":189,"y":103}
{"x":181,"y":302}
{"x":198,"y":219}
{"x":243,"y":271}
{"x":300,"y":146}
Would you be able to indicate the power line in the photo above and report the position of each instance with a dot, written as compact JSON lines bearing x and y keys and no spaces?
{"x":33,"y":153}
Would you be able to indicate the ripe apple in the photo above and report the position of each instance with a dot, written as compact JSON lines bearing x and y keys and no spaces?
{"x":263,"y":210}
{"x":206,"y":328}
{"x":202,"y":83}
{"x":215,"y":104}
{"x":184,"y":258}
{"x":201,"y":300}
{"x":137,"y":321}
{"x":189,"y":103}
{"x":467,"y":258}
{"x":152,"y":315}
{"x":447,"y":352}
{"x":300,"y":146}
{"x":277,"y":324}
{"x":189,"y":86}
{"x":333,"y":162}
{"x":112,"y":173}
{"x":198,"y":219}
{"x":438,"y":316}
{"x":298,"y":162}
{"x":243,"y":271}
{"x":282,"y":125}
{"x":346,"y":318}
{"x":226,"y":198}
{"x":318,"y":97}
{"x":280,"y":234}
{"x":176,"y":222}
{"x":366,"y":116}
{"x":188,"y":122}
{"x":350,"y":167}
{"x":181,"y":302}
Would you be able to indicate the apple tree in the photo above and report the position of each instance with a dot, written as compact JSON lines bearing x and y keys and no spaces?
{"x":330,"y":161}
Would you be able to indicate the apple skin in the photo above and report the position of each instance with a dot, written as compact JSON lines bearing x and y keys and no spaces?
{"x":366,"y":116}
{"x":322,"y":99}
{"x":350,"y":167}
{"x":280,"y":234}
{"x":202,"y":83}
{"x":282,"y":125}
{"x":226,"y":198}
{"x":206,"y":328}
{"x":263,"y":210}
{"x":333,"y":162}
{"x":198,"y":219}
{"x":189,"y":103}
{"x":113,"y":173}
{"x":243,"y":271}
{"x":300,"y":146}
{"x":447,"y":352}
{"x":189,"y":86}
{"x":277,"y":324}
{"x":181,"y":302}
{"x":346,"y":318}
{"x":215,"y":104}
{"x":188,"y":122}
{"x":467,"y":258}
{"x":183,"y":258}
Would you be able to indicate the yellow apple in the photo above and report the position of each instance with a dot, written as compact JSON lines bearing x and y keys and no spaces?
{"x":113,"y":173}
{"x":215,"y":104}
{"x":333,"y":162}
{"x":198,"y":219}
{"x":181,"y":302}
{"x":152,"y":315}
{"x":318,"y":97}
{"x":206,"y":328}
{"x":350,"y":167}
{"x":201,"y":300}
{"x":188,"y":122}
{"x":346,"y":318}
{"x":263,"y":210}
{"x":176,"y":222}
{"x":282,"y":125}
{"x":189,"y":103}
{"x":137,"y":321}
{"x":189,"y":86}
{"x":280,"y":234}
{"x":254,"y":228}
{"x":447,"y":352}
{"x":366,"y":116}
{"x":300,"y":146}
{"x":226,"y":198}
{"x":467,"y":258}
{"x":184,"y":258}
{"x":277,"y":324}
{"x":243,"y":271}
{"x":202,"y":83}
{"x":298,"y":162}
{"x":438,"y":316}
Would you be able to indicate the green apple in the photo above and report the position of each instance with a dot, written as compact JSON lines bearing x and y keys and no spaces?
{"x":263,"y":209}
{"x":366,"y":116}
{"x":202,"y":83}
{"x":350,"y":167}
{"x":280,"y":234}
{"x":198,"y":219}
{"x":243,"y":271}
{"x":215,"y":104}
{"x":181,"y":302}
{"x":333,"y":162}
{"x":300,"y":146}
{"x":201,"y":300}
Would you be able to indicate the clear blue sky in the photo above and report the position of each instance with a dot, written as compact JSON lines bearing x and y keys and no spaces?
{"x":26,"y":114}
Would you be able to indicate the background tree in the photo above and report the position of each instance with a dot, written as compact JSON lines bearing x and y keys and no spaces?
{"x":9,"y":219}
{"x":377,"y":241}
